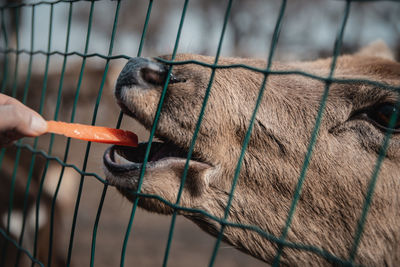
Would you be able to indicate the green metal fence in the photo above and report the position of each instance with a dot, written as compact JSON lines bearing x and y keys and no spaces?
{"x":9,"y":86}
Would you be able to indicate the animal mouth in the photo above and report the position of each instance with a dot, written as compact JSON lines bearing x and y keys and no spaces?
{"x":140,"y":75}
{"x":122,"y":159}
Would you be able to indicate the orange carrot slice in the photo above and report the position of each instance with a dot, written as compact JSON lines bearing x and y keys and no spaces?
{"x":93,"y":133}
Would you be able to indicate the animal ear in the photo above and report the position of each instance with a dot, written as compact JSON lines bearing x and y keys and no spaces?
{"x":377,"y":49}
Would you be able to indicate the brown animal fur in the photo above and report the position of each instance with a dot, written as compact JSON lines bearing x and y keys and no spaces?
{"x":338,"y":176}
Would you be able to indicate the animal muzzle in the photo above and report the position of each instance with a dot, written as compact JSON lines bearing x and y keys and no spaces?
{"x":141,"y":73}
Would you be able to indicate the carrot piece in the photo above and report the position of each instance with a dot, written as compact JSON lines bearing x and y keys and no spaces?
{"x":93,"y":133}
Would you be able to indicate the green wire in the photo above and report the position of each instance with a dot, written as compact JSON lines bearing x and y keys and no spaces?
{"x":27,"y":81}
{"x":337,"y":47}
{"x":66,"y":152}
{"x":152,"y":132}
{"x":58,"y":102}
{"x":2,"y":153}
{"x":5,"y":70}
{"x":372,"y":183}
{"x":53,"y":203}
{"x":114,"y":30}
{"x":29,"y":74}
{"x":139,"y":53}
{"x":61,"y":162}
{"x":88,"y":146}
{"x":6,"y":236}
{"x":10,"y":204}
{"x":94,"y":234}
{"x":196,"y":131}
{"x":273,"y":72}
{"x":5,"y":65}
{"x":14,"y":91}
{"x":249,"y":130}
{"x":73,"y":53}
{"x":32,"y":164}
{"x":253,"y":228}
{"x":144,"y":31}
{"x":145,"y":26}
{"x":18,"y":154}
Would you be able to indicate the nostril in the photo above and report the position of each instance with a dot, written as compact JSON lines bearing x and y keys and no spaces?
{"x":152,"y":76}
{"x":158,"y":77}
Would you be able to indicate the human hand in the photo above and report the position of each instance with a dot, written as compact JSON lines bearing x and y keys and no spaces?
{"x":17,"y":120}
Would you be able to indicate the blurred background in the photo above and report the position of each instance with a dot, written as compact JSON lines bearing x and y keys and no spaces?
{"x":308,"y":32}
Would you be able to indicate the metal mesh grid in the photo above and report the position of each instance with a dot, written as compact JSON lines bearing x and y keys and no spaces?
{"x":11,"y":78}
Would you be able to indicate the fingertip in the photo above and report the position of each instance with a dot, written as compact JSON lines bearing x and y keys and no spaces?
{"x":38,"y":125}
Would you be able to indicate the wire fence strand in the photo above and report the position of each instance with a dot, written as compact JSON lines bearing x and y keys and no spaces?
{"x":152,"y":133}
{"x":17,"y":157}
{"x":314,"y":135}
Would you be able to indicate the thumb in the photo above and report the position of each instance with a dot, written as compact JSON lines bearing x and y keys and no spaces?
{"x":21,"y":120}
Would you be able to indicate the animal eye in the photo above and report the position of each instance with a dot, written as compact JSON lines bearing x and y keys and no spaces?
{"x":382,"y":114}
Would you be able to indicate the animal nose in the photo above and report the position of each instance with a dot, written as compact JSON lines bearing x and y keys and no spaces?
{"x":141,"y":72}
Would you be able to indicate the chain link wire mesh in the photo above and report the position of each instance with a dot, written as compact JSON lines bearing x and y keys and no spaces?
{"x":9,"y":86}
